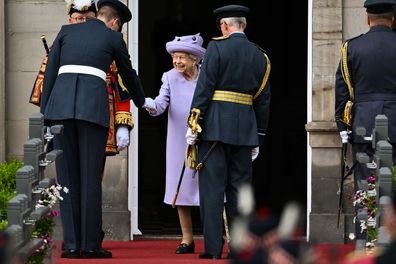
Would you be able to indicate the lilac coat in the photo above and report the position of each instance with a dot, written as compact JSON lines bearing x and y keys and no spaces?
{"x":176,"y":93}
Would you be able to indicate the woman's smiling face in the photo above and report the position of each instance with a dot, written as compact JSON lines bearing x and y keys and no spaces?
{"x":182,"y":61}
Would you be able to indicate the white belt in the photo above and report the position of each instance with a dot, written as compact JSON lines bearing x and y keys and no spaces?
{"x":82,"y":69}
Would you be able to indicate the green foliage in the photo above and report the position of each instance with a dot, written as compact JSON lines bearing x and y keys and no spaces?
{"x":38,"y":257}
{"x":7,"y":186}
{"x":3,"y":224}
{"x":372,"y":233}
{"x":43,"y":228}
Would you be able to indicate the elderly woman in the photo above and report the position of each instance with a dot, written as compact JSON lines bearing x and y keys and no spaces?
{"x":176,"y":93}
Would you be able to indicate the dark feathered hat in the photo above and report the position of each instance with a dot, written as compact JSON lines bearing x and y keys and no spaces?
{"x":80,"y":6}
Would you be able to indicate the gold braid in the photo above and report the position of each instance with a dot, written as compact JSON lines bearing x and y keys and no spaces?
{"x":191,"y":152}
{"x":347,"y":114}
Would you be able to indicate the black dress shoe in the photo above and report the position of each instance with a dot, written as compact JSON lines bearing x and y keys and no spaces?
{"x":208,"y":256}
{"x":70,"y":253}
{"x":98,"y":253}
{"x":183,"y":248}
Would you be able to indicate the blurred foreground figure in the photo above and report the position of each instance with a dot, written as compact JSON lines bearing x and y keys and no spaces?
{"x":264,"y":238}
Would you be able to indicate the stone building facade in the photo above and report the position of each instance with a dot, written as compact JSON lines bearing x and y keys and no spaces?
{"x":22,"y":22}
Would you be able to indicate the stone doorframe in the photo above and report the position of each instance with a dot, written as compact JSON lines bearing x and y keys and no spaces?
{"x":326,"y":30}
{"x":133,"y":150}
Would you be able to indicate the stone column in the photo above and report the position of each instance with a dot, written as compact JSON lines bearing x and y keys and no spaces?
{"x":323,"y":135}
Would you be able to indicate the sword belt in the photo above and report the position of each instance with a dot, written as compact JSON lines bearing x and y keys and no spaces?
{"x":232,"y":97}
{"x":82,"y":70}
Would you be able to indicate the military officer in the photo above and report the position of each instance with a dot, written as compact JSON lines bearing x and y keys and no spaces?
{"x":119,"y":98}
{"x":365,"y":84}
{"x":232,"y":100}
{"x":75,"y":95}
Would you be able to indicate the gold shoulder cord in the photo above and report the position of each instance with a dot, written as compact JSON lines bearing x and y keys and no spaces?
{"x":344,"y":69}
{"x":347,"y":115}
{"x":265,"y":79}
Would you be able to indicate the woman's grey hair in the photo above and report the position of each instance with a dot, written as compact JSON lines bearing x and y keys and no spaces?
{"x":194,"y":58}
{"x":191,"y":56}
{"x":239,"y":22}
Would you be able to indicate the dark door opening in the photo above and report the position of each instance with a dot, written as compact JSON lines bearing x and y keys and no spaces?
{"x":280,"y":173}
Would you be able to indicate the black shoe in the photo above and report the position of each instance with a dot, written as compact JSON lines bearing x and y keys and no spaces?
{"x":183,"y":248}
{"x":208,"y":256}
{"x":98,"y":253}
{"x":70,"y":253}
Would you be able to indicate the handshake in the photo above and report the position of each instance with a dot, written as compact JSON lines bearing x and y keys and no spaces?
{"x":150,"y":106}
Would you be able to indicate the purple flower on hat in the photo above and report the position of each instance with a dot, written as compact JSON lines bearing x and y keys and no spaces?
{"x":191,"y":44}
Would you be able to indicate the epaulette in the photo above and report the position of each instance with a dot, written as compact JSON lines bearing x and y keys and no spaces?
{"x":221,"y":38}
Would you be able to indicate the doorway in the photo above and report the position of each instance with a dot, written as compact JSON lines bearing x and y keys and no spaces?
{"x":280,"y":173}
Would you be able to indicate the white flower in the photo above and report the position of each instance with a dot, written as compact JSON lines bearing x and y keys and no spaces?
{"x":50,"y":196}
{"x":370,"y":244}
{"x":371,"y":193}
{"x":363,"y":226}
{"x":352,"y":236}
{"x":371,"y":222}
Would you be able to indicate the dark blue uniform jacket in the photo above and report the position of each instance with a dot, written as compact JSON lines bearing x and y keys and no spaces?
{"x":84,"y":96}
{"x":238,"y":65}
{"x":372,"y":66}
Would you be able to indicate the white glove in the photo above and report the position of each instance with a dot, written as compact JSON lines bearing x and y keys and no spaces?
{"x":255,"y":152}
{"x":191,"y":137}
{"x":344,"y":136}
{"x":149,"y":105}
{"x":122,"y":137}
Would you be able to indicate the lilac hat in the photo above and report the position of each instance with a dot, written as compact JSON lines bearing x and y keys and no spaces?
{"x":190,"y":44}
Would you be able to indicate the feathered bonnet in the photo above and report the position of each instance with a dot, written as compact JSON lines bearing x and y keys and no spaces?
{"x":80,"y":6}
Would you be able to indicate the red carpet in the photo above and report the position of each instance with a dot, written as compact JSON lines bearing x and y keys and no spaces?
{"x":142,"y":252}
{"x":162,"y":251}
{"x":333,"y":253}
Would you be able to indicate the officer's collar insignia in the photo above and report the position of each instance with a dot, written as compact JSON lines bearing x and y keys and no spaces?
{"x":221,"y":38}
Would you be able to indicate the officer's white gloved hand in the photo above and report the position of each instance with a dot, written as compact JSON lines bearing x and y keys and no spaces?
{"x":149,"y":105}
{"x":255,"y":152}
{"x":191,"y":137}
{"x":122,"y":137}
{"x":344,"y":136}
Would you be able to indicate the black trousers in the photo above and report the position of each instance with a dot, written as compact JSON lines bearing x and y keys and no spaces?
{"x":227,"y":167}
{"x":79,"y":169}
